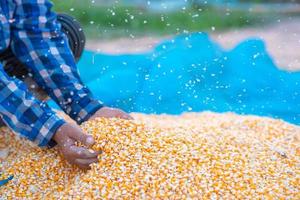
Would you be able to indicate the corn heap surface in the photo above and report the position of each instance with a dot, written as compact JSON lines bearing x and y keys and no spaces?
{"x":195,"y":156}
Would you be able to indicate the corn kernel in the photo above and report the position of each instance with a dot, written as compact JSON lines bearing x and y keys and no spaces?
{"x":164,"y":157}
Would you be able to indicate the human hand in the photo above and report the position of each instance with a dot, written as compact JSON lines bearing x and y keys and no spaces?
{"x":110,"y":113}
{"x":66,"y":136}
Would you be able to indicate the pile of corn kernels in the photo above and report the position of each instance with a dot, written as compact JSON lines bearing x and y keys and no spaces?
{"x":192,"y":156}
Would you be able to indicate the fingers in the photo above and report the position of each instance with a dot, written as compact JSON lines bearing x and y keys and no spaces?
{"x":111,"y":113}
{"x":80,"y":156}
{"x":85,"y":163}
{"x":67,"y":133}
{"x":114,"y":112}
{"x":120,"y":114}
{"x":81,"y":152}
{"x":85,"y":139}
{"x":66,"y":138}
{"x":124,"y":115}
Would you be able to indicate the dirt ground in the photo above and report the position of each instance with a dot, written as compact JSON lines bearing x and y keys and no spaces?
{"x":282,"y":40}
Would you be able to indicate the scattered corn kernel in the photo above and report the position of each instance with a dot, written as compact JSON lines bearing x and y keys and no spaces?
{"x":193,"y":156}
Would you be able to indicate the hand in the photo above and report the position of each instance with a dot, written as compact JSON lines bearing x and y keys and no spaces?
{"x":110,"y":113}
{"x":66,"y":136}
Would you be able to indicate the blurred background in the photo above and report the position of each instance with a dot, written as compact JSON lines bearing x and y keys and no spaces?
{"x":125,"y":26}
{"x":118,"y":18}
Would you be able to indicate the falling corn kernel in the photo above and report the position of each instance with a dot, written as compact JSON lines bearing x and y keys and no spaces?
{"x":192,"y":156}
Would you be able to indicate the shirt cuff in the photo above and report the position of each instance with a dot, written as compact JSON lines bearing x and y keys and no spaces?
{"x":84,"y":109}
{"x":47,"y":131}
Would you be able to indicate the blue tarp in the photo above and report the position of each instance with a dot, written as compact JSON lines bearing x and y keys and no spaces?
{"x":193,"y":73}
{"x":5,"y":181}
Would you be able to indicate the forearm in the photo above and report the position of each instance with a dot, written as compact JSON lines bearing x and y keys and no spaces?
{"x":40,"y":44}
{"x":24,"y":114}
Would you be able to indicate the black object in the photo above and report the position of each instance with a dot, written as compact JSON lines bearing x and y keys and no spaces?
{"x":73,"y":30}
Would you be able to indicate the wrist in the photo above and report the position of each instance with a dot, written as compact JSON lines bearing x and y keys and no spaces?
{"x":84,"y":109}
{"x":58,"y":135}
{"x":50,"y":127}
{"x":93,"y":112}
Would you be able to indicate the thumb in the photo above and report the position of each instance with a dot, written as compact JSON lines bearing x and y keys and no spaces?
{"x":78,"y":135}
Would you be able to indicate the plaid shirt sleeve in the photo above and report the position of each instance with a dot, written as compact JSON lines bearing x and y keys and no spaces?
{"x":25,"y":114}
{"x":37,"y":41}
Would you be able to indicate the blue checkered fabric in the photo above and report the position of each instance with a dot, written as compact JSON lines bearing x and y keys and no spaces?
{"x":36,"y":39}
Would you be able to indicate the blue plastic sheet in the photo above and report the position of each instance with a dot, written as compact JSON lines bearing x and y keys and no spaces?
{"x":5,"y":181}
{"x":193,"y":73}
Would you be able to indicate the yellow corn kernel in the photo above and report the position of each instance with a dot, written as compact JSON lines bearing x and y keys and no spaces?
{"x":164,"y":157}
